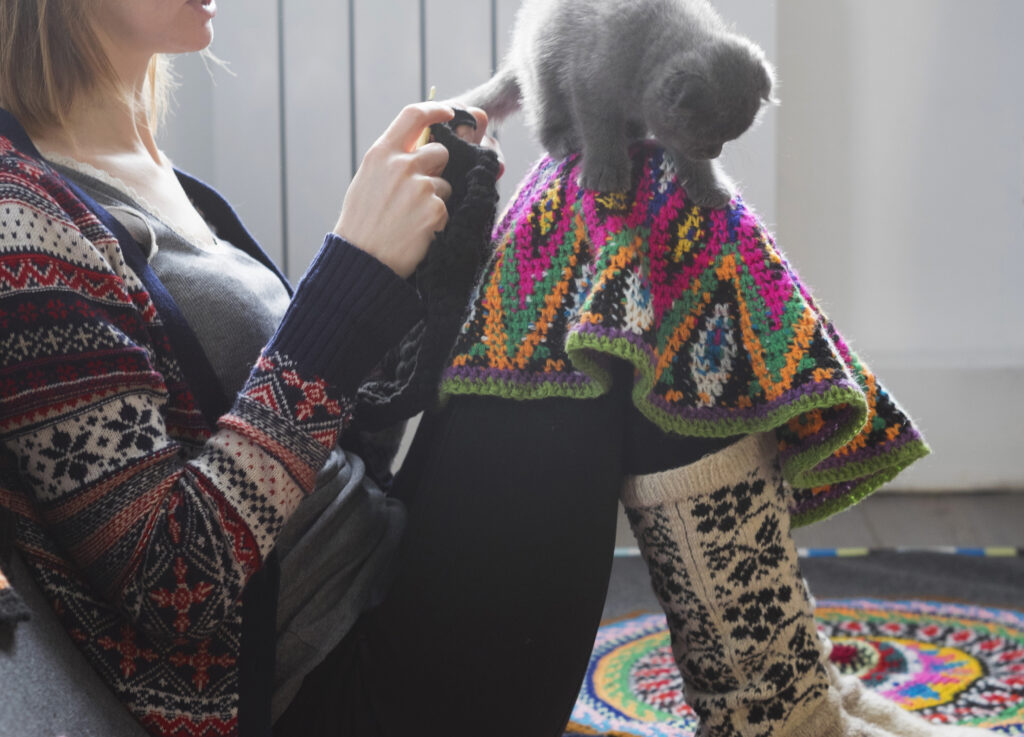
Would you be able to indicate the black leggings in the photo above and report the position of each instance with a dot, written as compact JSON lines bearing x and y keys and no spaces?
{"x":504,"y":567}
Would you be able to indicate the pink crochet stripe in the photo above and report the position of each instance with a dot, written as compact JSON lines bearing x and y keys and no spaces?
{"x":774,"y":291}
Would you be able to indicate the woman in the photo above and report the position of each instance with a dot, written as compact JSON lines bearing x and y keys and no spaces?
{"x":154,"y":512}
{"x":145,"y":494}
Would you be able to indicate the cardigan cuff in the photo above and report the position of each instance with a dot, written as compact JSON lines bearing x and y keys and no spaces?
{"x":348,"y":310}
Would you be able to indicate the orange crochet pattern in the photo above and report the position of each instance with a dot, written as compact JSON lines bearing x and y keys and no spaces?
{"x":723,"y":337}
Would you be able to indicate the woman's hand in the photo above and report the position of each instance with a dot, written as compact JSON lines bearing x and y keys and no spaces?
{"x":479,"y":135}
{"x":395,"y":203}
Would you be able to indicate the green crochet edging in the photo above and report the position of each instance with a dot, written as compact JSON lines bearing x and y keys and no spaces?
{"x":512,"y":390}
{"x":582,"y":350}
{"x":904,"y":456}
{"x":799,"y":469}
{"x":913,"y":451}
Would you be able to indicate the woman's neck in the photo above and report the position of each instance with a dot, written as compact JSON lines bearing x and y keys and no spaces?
{"x":105,"y":123}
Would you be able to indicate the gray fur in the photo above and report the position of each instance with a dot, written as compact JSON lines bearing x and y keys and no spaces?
{"x":592,"y":75}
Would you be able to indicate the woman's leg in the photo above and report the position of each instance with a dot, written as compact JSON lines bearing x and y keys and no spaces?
{"x":504,"y":567}
{"x":332,"y":701}
{"x":505,"y":559}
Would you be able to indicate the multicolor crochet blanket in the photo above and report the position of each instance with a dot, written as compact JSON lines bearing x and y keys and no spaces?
{"x":723,"y":336}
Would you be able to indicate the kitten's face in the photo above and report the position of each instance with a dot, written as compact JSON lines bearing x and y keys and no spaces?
{"x":705,"y":100}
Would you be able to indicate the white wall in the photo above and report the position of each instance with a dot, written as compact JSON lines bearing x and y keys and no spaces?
{"x":901,"y":199}
{"x":893,"y":171}
{"x":751,"y":160}
{"x":226,"y":128}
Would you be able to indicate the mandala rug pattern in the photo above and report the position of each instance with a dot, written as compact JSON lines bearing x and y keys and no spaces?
{"x":952,"y":664}
{"x":723,"y":336}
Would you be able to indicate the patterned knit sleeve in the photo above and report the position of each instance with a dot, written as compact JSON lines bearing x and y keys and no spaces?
{"x":164,"y":516}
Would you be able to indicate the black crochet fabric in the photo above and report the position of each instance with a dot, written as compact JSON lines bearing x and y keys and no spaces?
{"x":406,"y":380}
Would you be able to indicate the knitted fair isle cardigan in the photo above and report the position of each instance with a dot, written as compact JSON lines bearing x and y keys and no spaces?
{"x":723,"y":337}
{"x":145,"y":508}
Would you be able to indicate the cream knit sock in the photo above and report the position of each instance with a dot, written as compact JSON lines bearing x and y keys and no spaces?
{"x":873,"y":708}
{"x":715,"y":535}
{"x":861,"y":702}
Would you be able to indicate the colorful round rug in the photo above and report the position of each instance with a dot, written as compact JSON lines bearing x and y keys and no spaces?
{"x":951,"y":663}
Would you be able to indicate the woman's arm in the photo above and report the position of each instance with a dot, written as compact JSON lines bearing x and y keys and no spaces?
{"x":169,"y":534}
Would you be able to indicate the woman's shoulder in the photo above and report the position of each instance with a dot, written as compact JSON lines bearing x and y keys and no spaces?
{"x":28,"y":180}
{"x":43,"y":220}
{"x":19,"y":168}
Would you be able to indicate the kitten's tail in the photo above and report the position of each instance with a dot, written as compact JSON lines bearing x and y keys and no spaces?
{"x":499,"y":96}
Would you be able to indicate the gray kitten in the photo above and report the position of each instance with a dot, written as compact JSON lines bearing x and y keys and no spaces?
{"x":596,"y":74}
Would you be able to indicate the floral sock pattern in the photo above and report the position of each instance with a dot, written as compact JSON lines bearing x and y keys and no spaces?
{"x":716,"y":539}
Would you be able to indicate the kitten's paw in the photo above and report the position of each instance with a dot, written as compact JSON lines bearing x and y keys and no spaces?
{"x":605,"y":177}
{"x":561,"y":149}
{"x":713,"y":197}
{"x":560,"y":144}
{"x":705,"y":183}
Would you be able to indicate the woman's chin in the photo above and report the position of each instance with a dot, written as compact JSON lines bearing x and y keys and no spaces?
{"x":197,"y":40}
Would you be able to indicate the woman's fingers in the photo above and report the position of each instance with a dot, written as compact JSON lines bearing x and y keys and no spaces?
{"x":468,"y":132}
{"x":441,"y":188}
{"x":431,"y":158}
{"x":492,"y":143}
{"x":395,"y":202}
{"x":405,"y":130}
{"x":479,"y":135}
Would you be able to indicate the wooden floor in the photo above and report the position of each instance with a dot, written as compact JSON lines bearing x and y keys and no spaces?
{"x":892,"y":519}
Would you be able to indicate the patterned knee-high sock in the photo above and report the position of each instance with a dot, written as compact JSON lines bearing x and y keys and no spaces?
{"x":715,"y":536}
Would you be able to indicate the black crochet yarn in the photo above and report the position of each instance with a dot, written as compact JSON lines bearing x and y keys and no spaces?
{"x":406,"y":381}
{"x":455,"y":258}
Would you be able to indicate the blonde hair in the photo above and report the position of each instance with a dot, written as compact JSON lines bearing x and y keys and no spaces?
{"x":50,"y":55}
